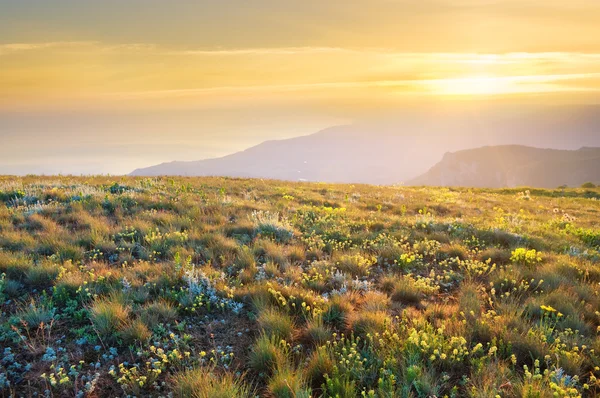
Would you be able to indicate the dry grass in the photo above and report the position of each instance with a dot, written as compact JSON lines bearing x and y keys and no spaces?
{"x":219,"y":287}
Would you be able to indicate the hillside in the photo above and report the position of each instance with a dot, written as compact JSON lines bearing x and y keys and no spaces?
{"x":513,"y":166}
{"x":396,"y":151}
{"x":221,"y":287}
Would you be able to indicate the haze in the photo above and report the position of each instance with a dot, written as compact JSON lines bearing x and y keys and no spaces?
{"x":110,"y":86}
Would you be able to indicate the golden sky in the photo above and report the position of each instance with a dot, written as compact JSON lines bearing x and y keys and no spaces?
{"x":311,"y":62}
{"x":180,"y":52}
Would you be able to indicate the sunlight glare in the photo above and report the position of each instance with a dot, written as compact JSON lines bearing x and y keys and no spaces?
{"x":473,"y":85}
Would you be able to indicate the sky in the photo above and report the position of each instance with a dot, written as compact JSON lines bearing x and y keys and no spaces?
{"x":90,"y":86}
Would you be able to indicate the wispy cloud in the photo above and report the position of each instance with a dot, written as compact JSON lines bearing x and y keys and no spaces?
{"x":17,"y":47}
{"x":467,"y":57}
{"x":450,"y":86}
{"x":146,"y":71}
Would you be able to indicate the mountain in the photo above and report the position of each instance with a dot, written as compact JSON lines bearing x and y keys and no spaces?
{"x":398,"y":150}
{"x":513,"y":166}
{"x":337,"y":154}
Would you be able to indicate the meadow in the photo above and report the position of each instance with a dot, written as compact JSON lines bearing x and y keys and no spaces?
{"x":219,"y":287}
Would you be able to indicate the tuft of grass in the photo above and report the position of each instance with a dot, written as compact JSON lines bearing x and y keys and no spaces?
{"x":387,"y":283}
{"x":369,"y":322}
{"x":455,"y":250}
{"x":337,"y":313}
{"x":491,"y":380}
{"x":276,"y":323}
{"x":288,"y":383}
{"x":267,"y":355}
{"x":108,"y":315}
{"x":134,"y":331}
{"x":356,"y":265}
{"x":375,"y":301}
{"x":316,"y":332}
{"x":36,"y":313}
{"x":160,"y":311}
{"x":496,"y":256}
{"x":469,"y":303}
{"x":12,"y":288}
{"x":41,"y":276}
{"x":206,"y":383}
{"x":319,"y":364}
{"x":406,"y":293}
{"x":245,"y":259}
{"x":272,"y":225}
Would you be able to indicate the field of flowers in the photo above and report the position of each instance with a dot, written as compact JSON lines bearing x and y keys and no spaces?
{"x":216,"y":287}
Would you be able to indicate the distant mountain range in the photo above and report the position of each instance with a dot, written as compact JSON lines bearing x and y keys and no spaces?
{"x":513,"y":166}
{"x":403,"y":151}
{"x":337,"y":154}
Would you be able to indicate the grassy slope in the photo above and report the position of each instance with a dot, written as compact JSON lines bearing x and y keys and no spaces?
{"x":215,"y":287}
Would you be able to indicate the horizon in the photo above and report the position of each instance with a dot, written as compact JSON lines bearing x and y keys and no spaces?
{"x":60,"y":174}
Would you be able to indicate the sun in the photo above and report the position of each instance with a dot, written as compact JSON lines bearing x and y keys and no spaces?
{"x":472,"y":85}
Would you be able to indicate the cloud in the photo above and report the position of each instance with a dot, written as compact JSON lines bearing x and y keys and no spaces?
{"x":506,"y":85}
{"x":19,"y":47}
{"x":38,"y":73}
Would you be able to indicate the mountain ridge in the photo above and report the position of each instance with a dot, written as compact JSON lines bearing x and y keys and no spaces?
{"x":397,"y":151}
{"x":514,"y":165}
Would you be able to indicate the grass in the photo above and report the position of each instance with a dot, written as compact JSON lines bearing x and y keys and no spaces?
{"x":221,"y":287}
{"x":288,"y":383}
{"x":201,"y":383}
{"x":275,"y":323}
{"x":34,"y":314}
{"x":267,"y":355}
{"x":156,"y":312}
{"x":134,"y":331}
{"x":108,"y":315}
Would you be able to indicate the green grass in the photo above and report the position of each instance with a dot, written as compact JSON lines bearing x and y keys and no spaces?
{"x":108,"y":316}
{"x":210,"y":287}
{"x":201,"y":383}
